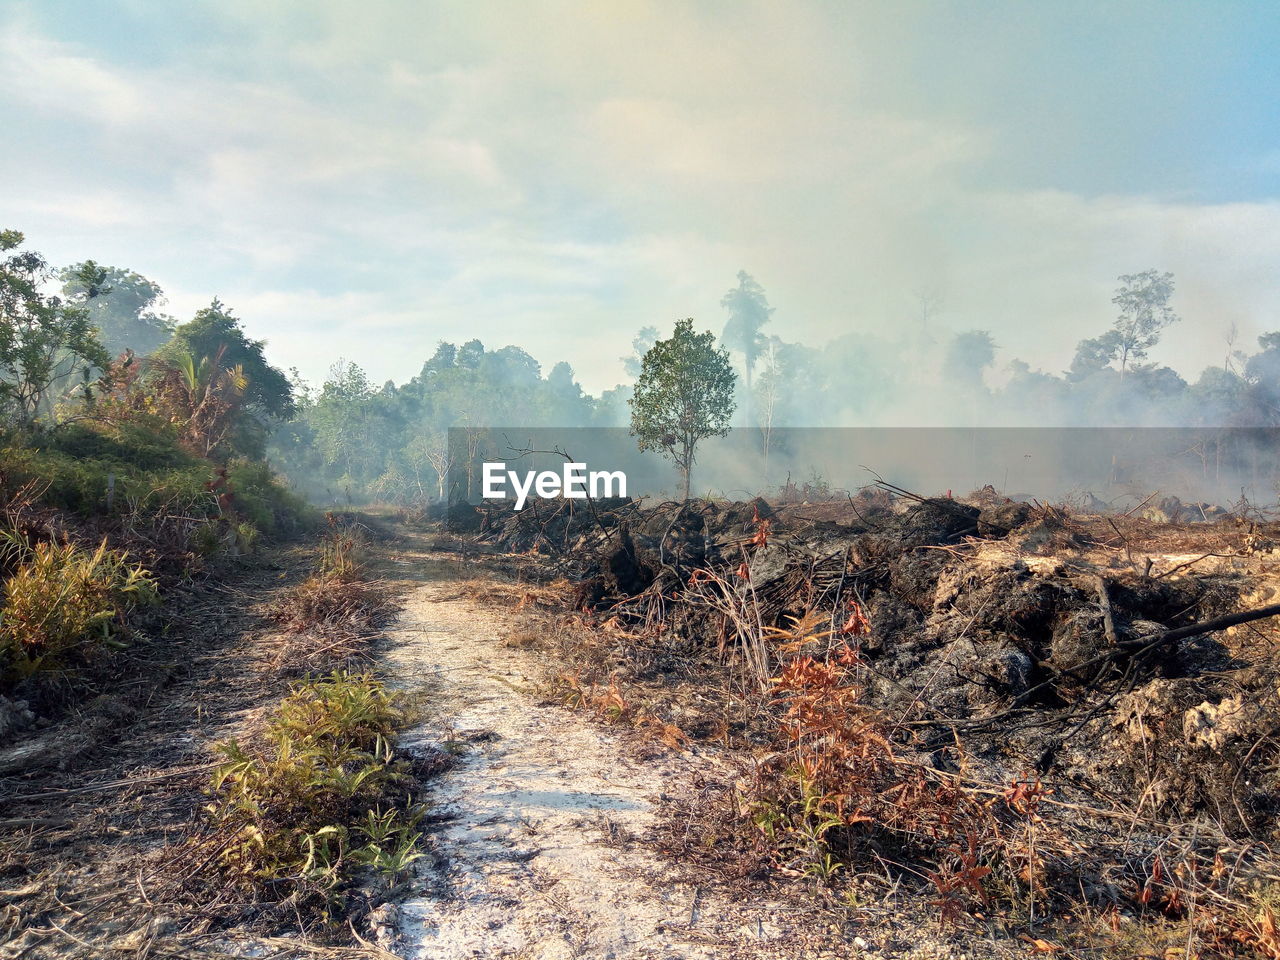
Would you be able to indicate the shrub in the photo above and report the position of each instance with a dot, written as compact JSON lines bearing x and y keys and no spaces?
{"x":141,"y":479}
{"x":62,"y":601}
{"x":264,"y":501}
{"x":126,"y":444}
{"x":324,"y":799}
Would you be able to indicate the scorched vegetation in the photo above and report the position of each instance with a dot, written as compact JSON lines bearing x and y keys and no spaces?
{"x":1034,"y":719}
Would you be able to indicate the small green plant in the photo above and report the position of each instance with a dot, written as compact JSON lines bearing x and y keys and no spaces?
{"x":392,"y":841}
{"x":324,"y":798}
{"x":63,"y":600}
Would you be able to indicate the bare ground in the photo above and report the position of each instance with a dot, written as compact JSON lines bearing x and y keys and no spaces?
{"x":547,"y":841}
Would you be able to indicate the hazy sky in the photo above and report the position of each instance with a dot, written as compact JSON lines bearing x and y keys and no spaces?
{"x":365,"y":179}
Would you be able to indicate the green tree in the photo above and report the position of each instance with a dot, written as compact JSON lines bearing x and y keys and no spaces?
{"x":213,"y":331}
{"x":213,"y":338}
{"x":1143,"y":299}
{"x":203,"y":397}
{"x":684,"y":394}
{"x":43,"y":340}
{"x":749,"y":311}
{"x":120,"y":305}
{"x":342,"y":417}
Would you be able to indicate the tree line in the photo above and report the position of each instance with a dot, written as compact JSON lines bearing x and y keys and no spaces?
{"x":100,"y":351}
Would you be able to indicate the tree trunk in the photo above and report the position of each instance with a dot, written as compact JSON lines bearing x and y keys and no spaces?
{"x":686,"y":465}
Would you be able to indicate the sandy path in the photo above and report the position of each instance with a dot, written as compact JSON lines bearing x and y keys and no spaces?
{"x":537,"y":855}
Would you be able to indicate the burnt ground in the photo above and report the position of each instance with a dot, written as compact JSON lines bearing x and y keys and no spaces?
{"x":1003,"y":644}
{"x":1009,"y":696}
{"x":100,"y":802}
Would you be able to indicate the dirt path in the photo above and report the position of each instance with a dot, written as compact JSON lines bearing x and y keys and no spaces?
{"x":541,"y":852}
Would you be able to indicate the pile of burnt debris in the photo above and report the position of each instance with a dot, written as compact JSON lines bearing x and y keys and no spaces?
{"x":1104,"y":650}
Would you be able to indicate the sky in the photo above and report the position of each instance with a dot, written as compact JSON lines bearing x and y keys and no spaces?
{"x":363,"y":180}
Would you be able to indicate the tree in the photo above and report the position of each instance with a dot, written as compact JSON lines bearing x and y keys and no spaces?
{"x":213,"y":340}
{"x":1093,"y":355}
{"x":1263,"y":374}
{"x":203,"y":397}
{"x":120,"y":305}
{"x":342,"y":418}
{"x":749,"y":311}
{"x":968,"y":355}
{"x":43,"y":340}
{"x":769,"y":388}
{"x":1143,"y":299}
{"x":640,"y":345}
{"x":214,"y":329}
{"x":684,"y":394}
{"x":431,"y":449}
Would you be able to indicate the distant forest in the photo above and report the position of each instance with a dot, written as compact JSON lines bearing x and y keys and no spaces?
{"x":208,"y":381}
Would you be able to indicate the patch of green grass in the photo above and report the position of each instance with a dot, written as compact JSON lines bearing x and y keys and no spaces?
{"x":138,"y":476}
{"x":324,"y":802}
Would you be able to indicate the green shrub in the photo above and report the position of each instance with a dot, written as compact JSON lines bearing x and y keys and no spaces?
{"x":324,"y":799}
{"x":128,"y":444}
{"x":141,"y":475}
{"x":62,"y":601}
{"x":264,"y":501}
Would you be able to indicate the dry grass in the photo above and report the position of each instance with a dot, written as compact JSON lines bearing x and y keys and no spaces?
{"x":552,"y":597}
{"x":62,"y":602}
{"x":854,"y":803}
{"x":331,"y":616}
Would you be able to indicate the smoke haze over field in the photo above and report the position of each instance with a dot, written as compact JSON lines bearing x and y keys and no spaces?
{"x":364,"y":180}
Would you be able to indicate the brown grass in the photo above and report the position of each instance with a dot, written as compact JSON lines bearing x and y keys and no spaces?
{"x":331,"y":616}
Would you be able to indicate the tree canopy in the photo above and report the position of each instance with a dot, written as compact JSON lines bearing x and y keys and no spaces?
{"x":749,"y":311}
{"x":120,"y":304}
{"x":44,"y":340}
{"x":1143,"y":299}
{"x":684,"y":395}
{"x":215,"y":332}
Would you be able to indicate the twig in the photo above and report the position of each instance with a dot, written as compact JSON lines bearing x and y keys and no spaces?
{"x":1108,"y":618}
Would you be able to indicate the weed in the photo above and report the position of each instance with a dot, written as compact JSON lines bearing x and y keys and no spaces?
{"x":62,"y":601}
{"x":341,"y":553}
{"x":332,"y":612}
{"x":324,"y":798}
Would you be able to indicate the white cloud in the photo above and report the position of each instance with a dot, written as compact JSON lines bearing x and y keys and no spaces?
{"x":52,"y":76}
{"x":558,"y":176}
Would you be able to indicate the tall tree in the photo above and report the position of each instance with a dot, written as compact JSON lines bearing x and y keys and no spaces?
{"x":684,"y":394}
{"x":121,"y":307}
{"x":968,"y":355}
{"x":43,"y":340}
{"x":1143,"y":299}
{"x":214,"y":331}
{"x":214,"y":340}
{"x":749,"y":311}
{"x":342,"y":417}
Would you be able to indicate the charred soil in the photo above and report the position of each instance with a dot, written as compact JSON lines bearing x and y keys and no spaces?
{"x":1040,"y":724}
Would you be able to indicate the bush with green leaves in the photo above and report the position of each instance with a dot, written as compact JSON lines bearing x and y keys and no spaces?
{"x":324,"y":800}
